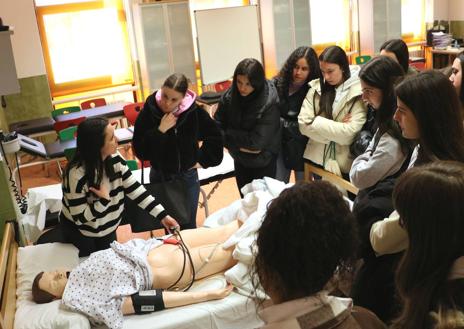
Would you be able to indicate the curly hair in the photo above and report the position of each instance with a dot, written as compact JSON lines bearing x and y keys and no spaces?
{"x":308,"y":232}
{"x":285,"y":76}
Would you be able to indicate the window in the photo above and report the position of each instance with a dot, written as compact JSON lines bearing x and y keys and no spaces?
{"x":330,"y":23}
{"x":85,"y":45}
{"x":413,"y":20}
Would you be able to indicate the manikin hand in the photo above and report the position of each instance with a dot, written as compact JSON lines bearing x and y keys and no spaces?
{"x":169,"y":222}
{"x":167,"y":122}
{"x":220,"y":293}
{"x":102,"y":193}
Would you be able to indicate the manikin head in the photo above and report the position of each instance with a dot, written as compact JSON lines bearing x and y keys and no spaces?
{"x":48,"y":286}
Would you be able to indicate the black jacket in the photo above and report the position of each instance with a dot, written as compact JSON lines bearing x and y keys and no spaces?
{"x":177,"y":150}
{"x":293,"y":142}
{"x":254,"y":126}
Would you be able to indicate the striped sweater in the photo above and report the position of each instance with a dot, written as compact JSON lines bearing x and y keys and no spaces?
{"x":97,"y":217}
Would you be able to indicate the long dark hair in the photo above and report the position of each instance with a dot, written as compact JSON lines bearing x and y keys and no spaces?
{"x":285,"y":76}
{"x":434,"y":102}
{"x":90,"y":140}
{"x":334,"y":55}
{"x":253,"y":70}
{"x":178,"y":82}
{"x":429,"y":200}
{"x":384,"y":73}
{"x":460,"y":56}
{"x":400,"y":49}
{"x":308,"y":232}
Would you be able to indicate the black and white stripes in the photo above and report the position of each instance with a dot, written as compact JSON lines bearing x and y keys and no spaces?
{"x":97,"y":217}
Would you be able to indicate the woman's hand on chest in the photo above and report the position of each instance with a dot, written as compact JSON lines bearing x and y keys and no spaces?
{"x":167,"y":122}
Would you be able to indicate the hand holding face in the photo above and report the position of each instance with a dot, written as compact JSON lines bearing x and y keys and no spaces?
{"x":167,"y":122}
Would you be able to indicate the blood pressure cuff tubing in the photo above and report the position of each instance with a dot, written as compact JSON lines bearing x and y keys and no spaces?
{"x":148,"y":301}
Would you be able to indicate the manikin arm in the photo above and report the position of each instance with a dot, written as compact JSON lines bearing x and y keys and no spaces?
{"x":180,"y":298}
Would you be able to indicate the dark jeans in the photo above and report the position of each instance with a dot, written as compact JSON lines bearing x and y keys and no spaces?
{"x":85,"y":244}
{"x":245,"y":175}
{"x":190,"y":177}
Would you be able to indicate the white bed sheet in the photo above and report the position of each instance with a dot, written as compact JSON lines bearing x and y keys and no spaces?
{"x":233,"y":312}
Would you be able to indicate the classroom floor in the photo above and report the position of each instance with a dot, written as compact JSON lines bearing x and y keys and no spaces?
{"x":41,"y":175}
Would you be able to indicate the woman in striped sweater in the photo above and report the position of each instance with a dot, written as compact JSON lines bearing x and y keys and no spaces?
{"x":95,"y":183}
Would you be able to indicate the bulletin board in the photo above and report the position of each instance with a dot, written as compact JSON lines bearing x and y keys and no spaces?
{"x":225,"y":36}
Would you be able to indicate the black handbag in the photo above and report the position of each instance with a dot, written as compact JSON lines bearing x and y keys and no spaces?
{"x":171,"y":194}
{"x":293,"y":145}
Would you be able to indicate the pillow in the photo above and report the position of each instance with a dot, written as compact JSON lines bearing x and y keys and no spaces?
{"x":32,"y":260}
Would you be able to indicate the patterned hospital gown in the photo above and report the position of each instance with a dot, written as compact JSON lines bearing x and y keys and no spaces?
{"x":98,"y":285}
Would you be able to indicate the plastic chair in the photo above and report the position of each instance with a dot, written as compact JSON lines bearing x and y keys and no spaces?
{"x":222,"y":86}
{"x":132,"y":164}
{"x":60,"y":125}
{"x":67,"y":134}
{"x":69,"y":153}
{"x":362,"y":59}
{"x":91,"y":103}
{"x":131,"y":111}
{"x":65,"y":110}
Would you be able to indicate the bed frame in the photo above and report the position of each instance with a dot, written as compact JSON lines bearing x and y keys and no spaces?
{"x":309,"y":169}
{"x":9,"y":251}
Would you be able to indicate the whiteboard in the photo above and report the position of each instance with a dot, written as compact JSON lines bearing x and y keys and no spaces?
{"x":225,"y":36}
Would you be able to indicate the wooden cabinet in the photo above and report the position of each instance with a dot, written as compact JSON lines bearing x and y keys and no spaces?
{"x":440,"y":58}
{"x":285,"y":26}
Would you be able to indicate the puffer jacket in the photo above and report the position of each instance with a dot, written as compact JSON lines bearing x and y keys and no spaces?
{"x":255,"y":128}
{"x":177,"y":149}
{"x":321,"y":131}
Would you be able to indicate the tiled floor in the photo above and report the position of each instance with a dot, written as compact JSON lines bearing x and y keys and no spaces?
{"x":41,"y":175}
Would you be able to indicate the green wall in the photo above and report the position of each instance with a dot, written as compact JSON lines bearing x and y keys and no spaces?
{"x":33,"y":102}
{"x":3,"y":125}
{"x":7,"y":211}
{"x":457,"y":29}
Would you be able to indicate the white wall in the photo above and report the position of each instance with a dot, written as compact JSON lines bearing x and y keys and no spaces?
{"x":456,"y":10}
{"x":440,"y":9}
{"x":27,"y":49}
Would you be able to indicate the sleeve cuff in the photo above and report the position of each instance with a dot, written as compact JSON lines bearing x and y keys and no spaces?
{"x":161,"y":215}
{"x":104,"y":202}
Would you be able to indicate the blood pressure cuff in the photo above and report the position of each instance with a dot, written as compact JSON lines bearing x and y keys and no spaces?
{"x":148,"y":301}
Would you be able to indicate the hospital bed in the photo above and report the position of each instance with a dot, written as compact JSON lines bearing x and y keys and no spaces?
{"x":41,"y":199}
{"x":18,"y":267}
{"x":310,"y":169}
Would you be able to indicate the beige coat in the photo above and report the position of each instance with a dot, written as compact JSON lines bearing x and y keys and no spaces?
{"x":321,"y":131}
